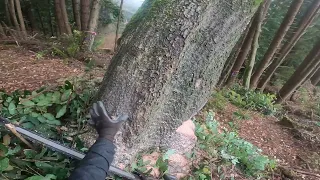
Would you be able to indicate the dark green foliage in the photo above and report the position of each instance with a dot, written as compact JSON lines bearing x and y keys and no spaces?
{"x":227,"y":149}
{"x":250,"y":99}
{"x":43,"y":111}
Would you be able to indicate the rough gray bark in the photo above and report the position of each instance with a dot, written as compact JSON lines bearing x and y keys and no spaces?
{"x":59,"y":17}
{"x":76,"y":13}
{"x":94,"y":16}
{"x":169,"y":60}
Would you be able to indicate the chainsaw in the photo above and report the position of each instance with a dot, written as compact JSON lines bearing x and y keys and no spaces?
{"x":71,"y":152}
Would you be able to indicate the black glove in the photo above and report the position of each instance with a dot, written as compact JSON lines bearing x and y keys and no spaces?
{"x":106,"y":127}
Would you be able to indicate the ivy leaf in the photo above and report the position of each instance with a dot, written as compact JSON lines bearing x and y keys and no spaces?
{"x":30,"y":154}
{"x":56,"y":97}
{"x":168,"y":154}
{"x":28,"y":103}
{"x":39,"y":156}
{"x":13,"y":151}
{"x":3,"y":149}
{"x":54,"y":122}
{"x":43,"y":165}
{"x":62,"y":111}
{"x":44,"y":102}
{"x":4,"y":164}
{"x":49,"y":116}
{"x":48,"y":177}
{"x":12,"y":108}
{"x":42,"y":119}
{"x":27,"y":125}
{"x":65,"y":95}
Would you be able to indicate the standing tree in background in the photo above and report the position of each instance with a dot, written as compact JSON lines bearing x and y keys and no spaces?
{"x":59,"y":17}
{"x":76,"y":13}
{"x":245,"y":48}
{"x":309,"y":64}
{"x":304,"y":23}
{"x":6,"y":4}
{"x":169,"y":60}
{"x":261,"y":14}
{"x":85,"y":14}
{"x":20,"y":17}
{"x":94,"y":16}
{"x":13,"y":15}
{"x":65,"y":17}
{"x":284,"y":27}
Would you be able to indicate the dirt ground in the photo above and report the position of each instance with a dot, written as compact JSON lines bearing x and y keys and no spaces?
{"x":299,"y":156}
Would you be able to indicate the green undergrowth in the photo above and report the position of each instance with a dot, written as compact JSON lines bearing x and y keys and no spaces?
{"x":57,"y":113}
{"x":219,"y":150}
{"x":247,"y":99}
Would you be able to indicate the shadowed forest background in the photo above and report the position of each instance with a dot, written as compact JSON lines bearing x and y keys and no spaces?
{"x":244,"y":75}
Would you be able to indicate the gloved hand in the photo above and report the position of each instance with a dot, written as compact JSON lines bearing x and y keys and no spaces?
{"x":106,"y":127}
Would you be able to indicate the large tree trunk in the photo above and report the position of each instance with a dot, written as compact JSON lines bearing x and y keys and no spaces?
{"x":76,"y":13}
{"x":169,"y":60}
{"x":303,"y":71}
{"x":59,"y":17}
{"x":245,"y":49}
{"x":6,"y":4}
{"x":315,"y":79}
{"x":255,"y":45}
{"x":65,"y":16}
{"x":31,"y":17}
{"x":40,"y":19}
{"x":20,"y":17}
{"x":94,"y":16}
{"x":304,"y":23}
{"x":276,"y":42}
{"x":13,"y":15}
{"x":85,"y":14}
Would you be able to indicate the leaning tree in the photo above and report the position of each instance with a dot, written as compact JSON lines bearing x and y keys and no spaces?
{"x":169,"y":59}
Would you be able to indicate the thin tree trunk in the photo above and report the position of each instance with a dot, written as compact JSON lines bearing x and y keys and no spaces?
{"x":301,"y":73}
{"x":94,"y":16}
{"x":59,"y":17}
{"x":315,"y":79}
{"x":65,"y":16}
{"x":20,"y":17}
{"x":85,"y":14}
{"x":50,"y":19}
{"x":304,"y":23}
{"x":167,"y":66}
{"x":233,"y":56}
{"x":13,"y":15}
{"x":6,"y":4}
{"x":118,"y":25}
{"x":40,"y":19}
{"x":284,"y":27}
{"x":255,"y":45}
{"x":76,"y":13}
{"x":243,"y":53}
{"x":31,"y":17}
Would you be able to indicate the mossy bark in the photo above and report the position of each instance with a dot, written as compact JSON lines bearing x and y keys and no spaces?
{"x":169,"y":59}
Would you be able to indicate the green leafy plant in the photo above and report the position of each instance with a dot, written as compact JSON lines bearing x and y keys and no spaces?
{"x":45,"y":111}
{"x":250,"y":99}
{"x":227,"y":148}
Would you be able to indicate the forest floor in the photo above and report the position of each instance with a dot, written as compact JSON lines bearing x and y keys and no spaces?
{"x":22,"y":69}
{"x":276,"y":141}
